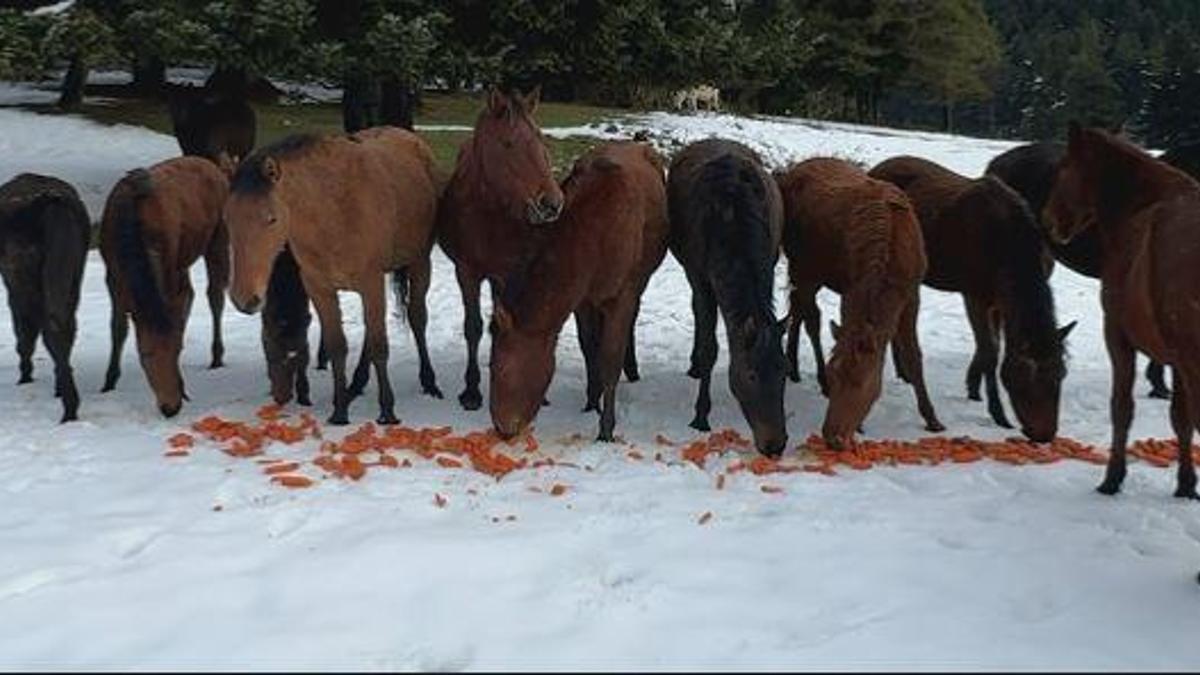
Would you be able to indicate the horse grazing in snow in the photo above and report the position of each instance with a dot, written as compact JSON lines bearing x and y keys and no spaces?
{"x":859,"y":237}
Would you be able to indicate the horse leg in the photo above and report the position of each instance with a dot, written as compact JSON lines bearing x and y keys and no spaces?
{"x":418,"y":317}
{"x":62,"y":296}
{"x":303,"y":392}
{"x":216,"y":263}
{"x":810,"y":314}
{"x":322,"y":355}
{"x":362,"y":371}
{"x":587,"y":326}
{"x":119,"y":329}
{"x":1158,"y":383}
{"x":631,"y":364}
{"x":468,"y":284}
{"x":793,"y":336}
{"x":909,"y":361}
{"x":1124,"y":360}
{"x":27,"y":324}
{"x":987,"y":357}
{"x":704,"y":352}
{"x":329,"y":312}
{"x":615,"y":325}
{"x":1183,"y":420}
{"x":375,"y":312}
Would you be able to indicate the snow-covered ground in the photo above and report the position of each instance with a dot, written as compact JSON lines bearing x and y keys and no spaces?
{"x":113,"y":556}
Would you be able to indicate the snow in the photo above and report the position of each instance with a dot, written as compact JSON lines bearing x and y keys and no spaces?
{"x":113,"y":557}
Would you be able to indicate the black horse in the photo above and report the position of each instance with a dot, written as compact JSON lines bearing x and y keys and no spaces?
{"x":726,"y":223}
{"x":286,"y":317}
{"x":1030,"y":170}
{"x":44,"y":233}
{"x":207,"y":123}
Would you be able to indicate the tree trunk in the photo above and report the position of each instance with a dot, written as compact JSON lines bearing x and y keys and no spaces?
{"x":397,"y":103}
{"x":149,"y":75}
{"x":948,"y":117}
{"x":73,"y":83}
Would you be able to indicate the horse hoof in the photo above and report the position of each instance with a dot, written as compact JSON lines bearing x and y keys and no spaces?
{"x":632,"y":377}
{"x":339,"y":419}
{"x":25,"y":379}
{"x":935,"y":427}
{"x":470,"y":400}
{"x":696,"y":373}
{"x":545,"y":403}
{"x":794,"y":376}
{"x":1187,"y":493}
{"x":387,"y":420}
{"x":591,"y":407}
{"x":69,"y":417}
{"x":304,"y":400}
{"x":107,"y":388}
{"x":700,"y":425}
{"x":1162,"y":394}
{"x":217,"y":363}
{"x":604,"y":438}
{"x":432,"y":391}
{"x":1109,"y":488}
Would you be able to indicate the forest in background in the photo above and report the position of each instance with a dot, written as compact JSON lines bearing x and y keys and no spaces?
{"x":1004,"y":68}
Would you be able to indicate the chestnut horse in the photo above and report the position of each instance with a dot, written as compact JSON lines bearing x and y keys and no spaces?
{"x":502,"y":190}
{"x":44,"y":233}
{"x":1029,"y":169}
{"x":350,"y":209}
{"x":595,"y":262}
{"x":981,"y":241}
{"x":860,"y":238}
{"x":726,"y":223}
{"x":1148,"y":217}
{"x":157,"y":223}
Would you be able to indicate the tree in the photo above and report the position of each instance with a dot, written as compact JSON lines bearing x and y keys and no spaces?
{"x":953,"y":52}
{"x":85,"y":39}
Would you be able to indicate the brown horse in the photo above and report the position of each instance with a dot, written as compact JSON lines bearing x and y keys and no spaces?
{"x":1029,"y":169}
{"x":595,"y":262}
{"x":1148,"y":217}
{"x":44,"y":232}
{"x":726,"y":223}
{"x":350,"y":208}
{"x":982,"y":242}
{"x":860,"y":238}
{"x":502,"y":189}
{"x":157,"y":222}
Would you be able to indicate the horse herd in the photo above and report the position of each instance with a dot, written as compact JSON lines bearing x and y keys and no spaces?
{"x":295,"y":222}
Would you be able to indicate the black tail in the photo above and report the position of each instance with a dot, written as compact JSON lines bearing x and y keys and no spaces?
{"x":136,"y":267}
{"x":400,"y":287}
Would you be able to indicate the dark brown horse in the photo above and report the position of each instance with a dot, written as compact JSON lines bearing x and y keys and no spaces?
{"x":1029,"y":169}
{"x":207,"y":123}
{"x":595,"y":262}
{"x":501,"y":191}
{"x":860,"y":238}
{"x":726,"y":223}
{"x":981,"y":241}
{"x":350,"y":209}
{"x":157,"y":223}
{"x":44,"y":232}
{"x":1148,"y":217}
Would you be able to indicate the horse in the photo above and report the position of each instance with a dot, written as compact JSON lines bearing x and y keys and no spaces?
{"x":501,"y":193}
{"x":1145,"y":212}
{"x":207,"y":123}
{"x":44,"y":233}
{"x":596,"y":262}
{"x":692,"y":98}
{"x":859,"y":237}
{"x":1029,"y":169}
{"x":726,"y":222}
{"x":981,"y":241}
{"x":350,"y":208}
{"x":157,"y":222}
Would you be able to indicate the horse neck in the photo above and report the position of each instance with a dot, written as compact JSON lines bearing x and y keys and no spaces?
{"x":1141,"y":180}
{"x":1026,"y":301}
{"x":554,"y":280}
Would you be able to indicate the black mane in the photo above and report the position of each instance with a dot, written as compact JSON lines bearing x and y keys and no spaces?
{"x":249,"y":178}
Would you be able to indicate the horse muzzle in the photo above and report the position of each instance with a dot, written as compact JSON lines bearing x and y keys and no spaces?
{"x":250,"y":306}
{"x":544,"y":210}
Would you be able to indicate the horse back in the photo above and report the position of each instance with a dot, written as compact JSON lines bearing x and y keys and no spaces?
{"x":44,"y":234}
{"x":399,"y":168}
{"x":183,"y":210}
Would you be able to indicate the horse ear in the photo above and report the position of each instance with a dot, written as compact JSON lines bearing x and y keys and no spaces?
{"x":497,"y":102}
{"x":271,"y":170}
{"x":1065,"y":331}
{"x":227,"y":164}
{"x":502,"y":318}
{"x":835,"y":329}
{"x":533,"y":99}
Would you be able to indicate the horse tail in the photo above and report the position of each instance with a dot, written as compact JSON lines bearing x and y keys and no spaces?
{"x":735,"y":219}
{"x":401,"y":289}
{"x":140,"y":275}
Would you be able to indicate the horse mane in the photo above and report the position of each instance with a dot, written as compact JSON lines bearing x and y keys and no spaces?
{"x":1021,"y":249}
{"x":736,"y":223}
{"x":249,"y":178}
{"x":871,"y":242}
{"x":138,"y":271}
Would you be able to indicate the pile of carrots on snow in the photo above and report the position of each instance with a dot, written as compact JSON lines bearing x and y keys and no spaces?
{"x":370,"y":447}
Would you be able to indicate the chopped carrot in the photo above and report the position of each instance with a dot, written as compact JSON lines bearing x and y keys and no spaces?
{"x":449,"y":463}
{"x":290,"y":481}
{"x":558,"y":490}
{"x":772,"y":489}
{"x":281,"y":468}
{"x":181,"y":440}
{"x":176,"y":453}
{"x":707,"y":516}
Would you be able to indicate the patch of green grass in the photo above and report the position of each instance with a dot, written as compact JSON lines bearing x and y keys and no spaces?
{"x":278,"y":121}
